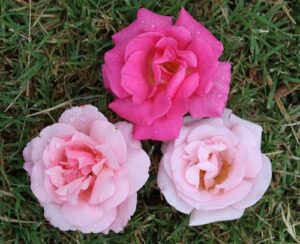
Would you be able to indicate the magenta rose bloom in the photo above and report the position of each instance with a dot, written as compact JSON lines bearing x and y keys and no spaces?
{"x":215,"y":169}
{"x":85,"y":171}
{"x":159,"y":71}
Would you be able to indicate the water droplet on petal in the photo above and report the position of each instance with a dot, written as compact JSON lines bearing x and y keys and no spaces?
{"x":142,"y":22}
{"x":72,"y":119}
{"x":219,"y":95}
{"x":198,"y":32}
{"x":153,"y":25}
{"x":82,"y":118}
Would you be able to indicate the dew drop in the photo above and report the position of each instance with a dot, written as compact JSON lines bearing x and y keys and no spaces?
{"x":198,"y":32}
{"x":142,"y":22}
{"x":153,"y":25}
{"x":72,"y":119}
{"x":82,"y":118}
{"x":219,"y":96}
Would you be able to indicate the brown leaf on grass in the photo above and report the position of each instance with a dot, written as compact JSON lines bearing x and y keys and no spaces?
{"x":256,"y":76}
{"x":284,"y":90}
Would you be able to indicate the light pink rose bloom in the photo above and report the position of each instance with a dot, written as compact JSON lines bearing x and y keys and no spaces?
{"x":159,"y":71}
{"x":85,"y":171}
{"x":215,"y":169}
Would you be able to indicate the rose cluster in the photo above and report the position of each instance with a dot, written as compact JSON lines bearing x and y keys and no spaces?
{"x":86,"y":171}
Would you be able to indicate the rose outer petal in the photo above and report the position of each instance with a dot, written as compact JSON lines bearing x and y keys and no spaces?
{"x":197,"y":30}
{"x":80,"y":118}
{"x":137,"y":166}
{"x":169,"y":192}
{"x":161,"y":129}
{"x":146,"y":21}
{"x":260,"y":185}
{"x":212,"y":104}
{"x":125,"y":210}
{"x":202,"y":217}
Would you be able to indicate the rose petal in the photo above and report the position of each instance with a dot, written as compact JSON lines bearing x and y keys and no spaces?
{"x":104,"y":187}
{"x":111,"y":71}
{"x":143,"y":42}
{"x":127,"y":130}
{"x":231,"y":120}
{"x":200,"y":217}
{"x":146,"y":21}
{"x":180,"y":34}
{"x":213,"y":103}
{"x":82,"y":213}
{"x":197,"y":30}
{"x":142,"y":114}
{"x":106,"y":133}
{"x":135,"y":76}
{"x":207,"y":64}
{"x":81,"y":118}
{"x":53,"y":214}
{"x":137,"y":164}
{"x":169,"y":191}
{"x":125,"y":210}
{"x":38,"y":183}
{"x":260,"y":185}
{"x":161,"y":129}
{"x":108,"y":217}
{"x":121,"y":191}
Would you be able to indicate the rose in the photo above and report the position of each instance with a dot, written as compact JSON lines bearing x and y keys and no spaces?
{"x":85,"y":172}
{"x":215,"y":169}
{"x":159,"y":71}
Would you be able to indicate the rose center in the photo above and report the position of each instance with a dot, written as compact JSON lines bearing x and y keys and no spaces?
{"x":218,"y":179}
{"x":171,"y":67}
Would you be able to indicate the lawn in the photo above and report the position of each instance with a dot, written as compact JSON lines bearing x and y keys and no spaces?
{"x":50,"y":58}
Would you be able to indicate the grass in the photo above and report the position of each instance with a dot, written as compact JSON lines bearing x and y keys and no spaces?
{"x":50,"y":57}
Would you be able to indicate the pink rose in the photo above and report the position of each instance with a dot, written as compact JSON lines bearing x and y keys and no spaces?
{"x":215,"y":169}
{"x":85,"y":172}
{"x":159,"y":71}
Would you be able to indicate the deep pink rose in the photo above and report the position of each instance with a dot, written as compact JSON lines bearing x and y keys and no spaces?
{"x":159,"y":71}
{"x":85,"y":171}
{"x":215,"y":169}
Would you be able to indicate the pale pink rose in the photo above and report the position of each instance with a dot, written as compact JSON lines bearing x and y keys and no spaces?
{"x":85,"y":171}
{"x":215,"y":169}
{"x":159,"y":71}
